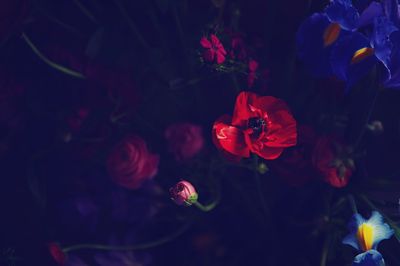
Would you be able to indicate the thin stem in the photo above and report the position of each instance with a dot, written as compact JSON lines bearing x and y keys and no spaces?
{"x":206,"y":208}
{"x":131,"y":24}
{"x":325,"y":250}
{"x":49,"y":62}
{"x":352,"y":203}
{"x":259,"y":186}
{"x":85,"y":11}
{"x":142,"y":246}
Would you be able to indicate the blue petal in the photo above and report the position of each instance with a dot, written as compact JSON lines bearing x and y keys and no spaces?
{"x":372,"y":11}
{"x":310,"y":45}
{"x":381,"y":230}
{"x":394,"y":80}
{"x":342,"y":55}
{"x":391,"y":9}
{"x":383,"y":28}
{"x":369,"y":258}
{"x":351,"y":238}
{"x":343,"y":12}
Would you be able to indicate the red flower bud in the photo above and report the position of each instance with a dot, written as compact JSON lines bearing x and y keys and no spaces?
{"x":57,"y":254}
{"x":183,"y":193}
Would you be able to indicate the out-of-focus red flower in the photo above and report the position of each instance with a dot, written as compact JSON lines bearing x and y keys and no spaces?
{"x":185,"y":140}
{"x":57,"y":254}
{"x":76,"y":120}
{"x":331,"y":158}
{"x":251,"y":77}
{"x":183,"y":193}
{"x":214,"y":50}
{"x":12,"y":13}
{"x":294,"y":166}
{"x":130,"y":163}
{"x":238,"y":48}
{"x":261,"y":125}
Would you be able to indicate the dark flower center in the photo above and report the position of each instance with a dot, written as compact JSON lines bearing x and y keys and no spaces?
{"x":256,"y":124}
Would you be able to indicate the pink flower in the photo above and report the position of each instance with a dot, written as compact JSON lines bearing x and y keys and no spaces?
{"x":76,"y":120}
{"x":253,"y":66}
{"x":130,"y":163}
{"x":56,"y":253}
{"x":183,"y":193}
{"x":214,"y":50}
{"x":239,"y":49}
{"x":184,"y":140}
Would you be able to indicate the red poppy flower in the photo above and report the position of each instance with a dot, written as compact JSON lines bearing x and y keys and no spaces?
{"x":214,"y":50}
{"x":332,"y":161}
{"x":261,"y":125}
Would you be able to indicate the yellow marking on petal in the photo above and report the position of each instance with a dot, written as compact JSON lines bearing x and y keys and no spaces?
{"x":331,"y":34}
{"x":361,"y":54}
{"x":365,"y":236}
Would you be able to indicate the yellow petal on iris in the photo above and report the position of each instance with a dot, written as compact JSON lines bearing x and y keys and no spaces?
{"x":365,"y":236}
{"x":331,"y":34}
{"x":361,"y":54}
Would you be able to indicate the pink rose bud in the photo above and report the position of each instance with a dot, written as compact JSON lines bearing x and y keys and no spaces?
{"x":183,"y":193}
{"x":130,"y":163}
{"x":184,"y":140}
{"x":56,"y":253}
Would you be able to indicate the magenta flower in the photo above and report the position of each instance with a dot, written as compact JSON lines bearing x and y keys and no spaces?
{"x":214,"y":50}
{"x":185,"y":140}
{"x":183,"y":193}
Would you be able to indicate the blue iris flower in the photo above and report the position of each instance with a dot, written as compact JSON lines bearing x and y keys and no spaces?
{"x":318,"y":34}
{"x":355,"y":55}
{"x":365,"y":235}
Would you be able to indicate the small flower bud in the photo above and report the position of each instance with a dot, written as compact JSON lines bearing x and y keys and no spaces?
{"x":376,"y":127}
{"x":183,"y":193}
{"x":262,"y":168}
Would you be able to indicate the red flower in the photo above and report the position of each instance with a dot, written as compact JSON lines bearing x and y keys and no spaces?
{"x":294,"y":166}
{"x":214,"y":50}
{"x":251,"y":77}
{"x":332,"y":161}
{"x":239,"y":49}
{"x":57,"y":254}
{"x":261,"y":125}
{"x":130,"y":163}
{"x":184,"y":140}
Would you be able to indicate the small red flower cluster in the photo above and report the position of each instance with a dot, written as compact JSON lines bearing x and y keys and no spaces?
{"x":261,"y":125}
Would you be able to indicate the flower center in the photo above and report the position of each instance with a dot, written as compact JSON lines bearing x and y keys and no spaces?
{"x":256,"y":124}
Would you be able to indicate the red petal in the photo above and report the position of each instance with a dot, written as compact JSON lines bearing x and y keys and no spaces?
{"x":229,"y":138}
{"x":253,"y":65}
{"x":214,"y":40}
{"x":205,"y":43}
{"x":282,"y":131}
{"x":220,"y":57}
{"x":242,"y":110}
{"x":269,"y":153}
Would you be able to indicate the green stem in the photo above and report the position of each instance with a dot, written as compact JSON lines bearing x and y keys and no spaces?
{"x":49,"y":62}
{"x":259,"y":186}
{"x":85,"y":11}
{"x":142,"y":246}
{"x":325,"y":250}
{"x":352,"y":202}
{"x":206,"y":208}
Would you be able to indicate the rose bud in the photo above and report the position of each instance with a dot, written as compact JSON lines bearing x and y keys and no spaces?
{"x":183,"y":193}
{"x":56,"y":253}
{"x":184,"y":140}
{"x":130,"y":163}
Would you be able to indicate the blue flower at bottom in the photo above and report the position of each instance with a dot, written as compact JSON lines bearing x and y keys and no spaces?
{"x":369,"y":258}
